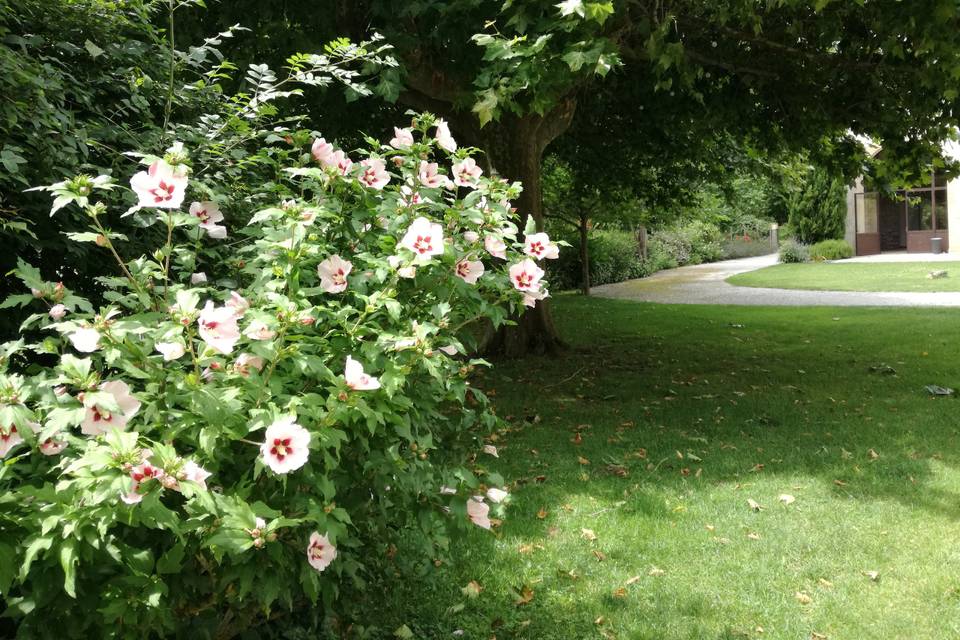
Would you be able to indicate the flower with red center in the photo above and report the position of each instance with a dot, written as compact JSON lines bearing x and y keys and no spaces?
{"x":430,"y":176}
{"x":320,"y":551}
{"x":52,"y":446}
{"x":218,"y":327}
{"x":285,"y":446}
{"x":526,"y":275}
{"x":478,"y":512}
{"x":470,"y":270}
{"x":424,"y":239}
{"x":338,"y":160}
{"x":333,"y":274}
{"x":466,"y":173}
{"x":9,"y":438}
{"x":495,"y":247}
{"x":357,"y":379}
{"x":539,"y":246}
{"x":374,"y":173}
{"x":402,"y":138}
{"x":98,"y":420}
{"x":160,"y":187}
{"x":209,"y":215}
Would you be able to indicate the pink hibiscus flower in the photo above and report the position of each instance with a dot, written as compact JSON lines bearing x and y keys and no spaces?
{"x":424,"y":239}
{"x":470,"y":270}
{"x":478,"y":512}
{"x":9,"y":438}
{"x":357,"y":379}
{"x":495,"y":247}
{"x":466,"y":173}
{"x":526,"y":275}
{"x":209,"y":215}
{"x":161,"y":186}
{"x":98,"y":420}
{"x":218,"y":327}
{"x":430,"y":176}
{"x":333,"y":274}
{"x":374,"y":174}
{"x":86,"y":340}
{"x":539,"y":246}
{"x":285,"y":446}
{"x":320,"y":551}
{"x":444,"y":139}
{"x":402,"y":138}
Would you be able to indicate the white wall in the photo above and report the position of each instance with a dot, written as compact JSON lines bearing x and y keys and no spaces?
{"x":953,"y":215}
{"x":850,"y":234}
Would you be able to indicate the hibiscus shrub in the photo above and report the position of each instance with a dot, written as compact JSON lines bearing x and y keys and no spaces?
{"x":207,"y":450}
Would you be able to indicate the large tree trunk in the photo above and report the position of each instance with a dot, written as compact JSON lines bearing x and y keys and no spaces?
{"x":515,"y":147}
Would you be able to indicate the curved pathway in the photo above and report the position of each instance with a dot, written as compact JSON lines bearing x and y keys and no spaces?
{"x":705,"y":284}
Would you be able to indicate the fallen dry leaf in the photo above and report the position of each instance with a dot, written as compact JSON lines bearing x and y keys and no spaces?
{"x":840,"y":483}
{"x":525,"y":548}
{"x":710,"y":527}
{"x":599,"y":621}
{"x":542,"y":513}
{"x":656,"y":572}
{"x":632,"y":580}
{"x":817,"y":636}
{"x":582,"y":460}
{"x":756,"y":506}
{"x":826,"y":584}
{"x":588,"y":534}
{"x":873,"y":454}
{"x":786,"y":498}
{"x":523,"y":595}
{"x":873,"y":575}
{"x":620,"y":593}
{"x":753,"y":536}
{"x":577,"y":438}
{"x":599,"y":555}
{"x":802,"y":597}
{"x":472,"y":590}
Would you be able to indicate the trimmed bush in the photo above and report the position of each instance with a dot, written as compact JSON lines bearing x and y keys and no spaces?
{"x":831,"y":250}
{"x":613,"y":258}
{"x":691,"y":243}
{"x":793,"y":251}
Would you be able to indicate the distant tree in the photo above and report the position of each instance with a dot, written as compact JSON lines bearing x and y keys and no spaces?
{"x":818,"y":208}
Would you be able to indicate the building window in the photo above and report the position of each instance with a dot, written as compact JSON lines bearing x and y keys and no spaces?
{"x":919,"y":211}
{"x":867,"y":205}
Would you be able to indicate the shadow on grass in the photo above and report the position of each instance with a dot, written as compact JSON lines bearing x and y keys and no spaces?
{"x":655,"y":430}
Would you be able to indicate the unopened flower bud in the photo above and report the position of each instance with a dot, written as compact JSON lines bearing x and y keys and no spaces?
{"x":342,"y":397}
{"x":37,"y":293}
{"x":307,"y":320}
{"x":57,"y":312}
{"x":101,"y":240}
{"x":258,"y":543}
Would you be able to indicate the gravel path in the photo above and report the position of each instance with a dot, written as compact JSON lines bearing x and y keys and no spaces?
{"x":705,"y":284}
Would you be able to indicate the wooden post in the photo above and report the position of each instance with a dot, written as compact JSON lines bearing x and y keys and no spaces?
{"x":642,"y":242}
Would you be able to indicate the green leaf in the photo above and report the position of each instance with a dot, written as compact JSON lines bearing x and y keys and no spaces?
{"x":172,"y":560}
{"x":92,"y":49}
{"x":33,"y":549}
{"x":569,"y":7}
{"x":68,"y":561}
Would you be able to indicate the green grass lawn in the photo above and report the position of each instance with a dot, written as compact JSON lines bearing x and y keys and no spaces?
{"x":877,"y":276}
{"x":656,"y":431}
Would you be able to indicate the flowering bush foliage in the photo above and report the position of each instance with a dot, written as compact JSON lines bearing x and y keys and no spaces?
{"x":210,"y":448}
